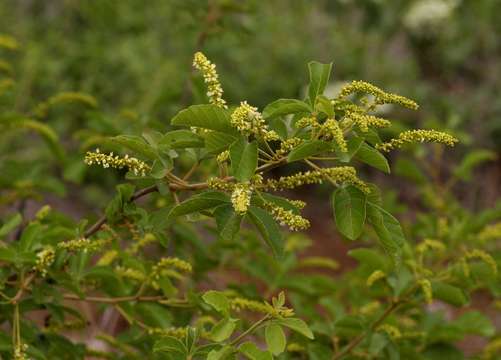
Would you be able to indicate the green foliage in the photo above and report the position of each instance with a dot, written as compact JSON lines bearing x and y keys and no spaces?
{"x":199,"y":212}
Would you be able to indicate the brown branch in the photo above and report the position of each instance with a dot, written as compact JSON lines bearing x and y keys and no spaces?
{"x":115,"y":300}
{"x":22,"y":288}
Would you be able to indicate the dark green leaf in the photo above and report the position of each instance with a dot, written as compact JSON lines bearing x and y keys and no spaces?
{"x":319,"y":77}
{"x":284,"y":107}
{"x":297,"y":325}
{"x":449,"y":293}
{"x":268,"y":228}
{"x":372,"y":157}
{"x":243,"y":157}
{"x":223,"y":329}
{"x":309,"y":148}
{"x":275,"y":338}
{"x":252,"y":352}
{"x":349,"y":211}
{"x":209,"y":117}
{"x":203,"y":201}
{"x":180,"y":139}
{"x":137,"y":144}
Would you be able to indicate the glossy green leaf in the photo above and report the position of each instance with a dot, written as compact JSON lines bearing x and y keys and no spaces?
{"x":349,"y":211}
{"x":309,"y":148}
{"x":319,"y":77}
{"x":297,"y":325}
{"x":205,"y":116}
{"x":203,"y":201}
{"x":372,"y":157}
{"x":268,"y":228}
{"x":243,"y":156}
{"x":284,"y":107}
{"x":275,"y":338}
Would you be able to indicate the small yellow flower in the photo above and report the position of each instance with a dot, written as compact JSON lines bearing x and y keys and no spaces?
{"x":413,"y":136}
{"x":138,"y":167}
{"x":211,"y":79}
{"x":425,"y":285}
{"x":249,"y":121}
{"x":375,"y":276}
{"x":241,"y":197}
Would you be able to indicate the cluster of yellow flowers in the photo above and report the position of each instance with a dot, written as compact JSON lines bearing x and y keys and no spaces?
{"x":241,"y":197}
{"x":375,"y":276}
{"x":141,"y":242}
{"x":45,"y":258}
{"x":166,"y":265}
{"x":286,"y":217}
{"x":176,"y":332}
{"x":83,"y":244}
{"x":130,"y":273}
{"x":430,"y":244}
{"x":413,"y":136}
{"x":137,"y":166}
{"x":319,"y":261}
{"x":286,"y":146}
{"x":211,"y":79}
{"x":425,"y":285}
{"x":369,"y":308}
{"x":381,"y":96}
{"x":330,"y":130}
{"x":223,"y":156}
{"x":392,"y":331}
{"x":491,"y":232}
{"x":485,"y":257}
{"x":364,"y":121}
{"x":20,"y":352}
{"x":238,"y":304}
{"x":340,"y":174}
{"x":107,"y":258}
{"x":249,"y":121}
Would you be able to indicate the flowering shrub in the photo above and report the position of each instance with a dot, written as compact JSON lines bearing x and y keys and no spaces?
{"x":210,"y":267}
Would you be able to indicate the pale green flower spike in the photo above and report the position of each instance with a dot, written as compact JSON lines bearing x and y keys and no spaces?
{"x":211,"y":79}
{"x":137,"y":166}
{"x":375,"y":276}
{"x":414,"y":136}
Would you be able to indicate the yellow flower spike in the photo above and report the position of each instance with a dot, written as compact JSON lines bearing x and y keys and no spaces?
{"x":485,"y":257}
{"x":137,"y":166}
{"x":176,"y":332}
{"x":238,"y":304}
{"x":381,"y":96}
{"x":491,"y":232}
{"x":375,"y":276}
{"x":130,"y":273}
{"x":211,"y":79}
{"x":241,"y":197}
{"x":286,"y":146}
{"x":107,"y":258}
{"x":287,"y":217}
{"x":330,"y":130}
{"x":83,"y":244}
{"x":45,"y":258}
{"x":340,"y":174}
{"x":430,"y":244}
{"x":223,"y":156}
{"x":249,"y":121}
{"x":414,"y":136}
{"x":364,"y":121}
{"x":425,"y":285}
{"x":171,"y":262}
{"x":392,"y":331}
{"x":370,"y":308}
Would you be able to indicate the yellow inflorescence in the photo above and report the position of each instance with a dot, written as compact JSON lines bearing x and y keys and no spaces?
{"x":148,"y":238}
{"x":211,"y":79}
{"x":8,"y":42}
{"x":177,"y":332}
{"x":216,"y":183}
{"x":249,"y":121}
{"x":425,"y":285}
{"x":330,"y":130}
{"x":430,"y":244}
{"x":375,"y":276}
{"x":364,"y":121}
{"x":238,"y":304}
{"x":286,"y":146}
{"x":137,"y":166}
{"x":172,"y":262}
{"x":308,"y":121}
{"x":287,"y":217}
{"x":45,"y":258}
{"x":83,"y":244}
{"x":340,"y":174}
{"x":107,"y":258}
{"x":491,"y":232}
{"x":381,"y":96}
{"x":130,"y":273}
{"x":223,"y":156}
{"x":370,"y":308}
{"x":241,"y":197}
{"x":485,"y":257}
{"x":20,"y":352}
{"x":392,"y":331}
{"x":414,"y":136}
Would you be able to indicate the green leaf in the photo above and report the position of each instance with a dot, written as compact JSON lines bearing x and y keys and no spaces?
{"x":372,"y":157}
{"x":199,"y":202}
{"x":228,"y":222}
{"x":470,"y":161}
{"x":169,"y":345}
{"x":217,"y":300}
{"x":12,"y":222}
{"x":136,"y":144}
{"x":275,"y":338}
{"x":353,"y":145}
{"x":222,"y":354}
{"x":180,"y":139}
{"x":349,"y":211}
{"x":243,"y":156}
{"x":252,"y":352}
{"x":309,"y":148}
{"x":210,"y":117}
{"x":449,"y":293}
{"x":319,"y":77}
{"x":223,"y":329}
{"x":216,"y":142}
{"x":325,"y":106}
{"x":268,"y":228}
{"x":388,"y":230}
{"x":297,"y":325}
{"x":116,"y":206}
{"x":474,"y":322}
{"x":282,"y":107}
{"x":373,"y":259}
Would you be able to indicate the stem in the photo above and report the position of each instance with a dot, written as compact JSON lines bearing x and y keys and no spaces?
{"x":115,"y":300}
{"x":250,"y":329}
